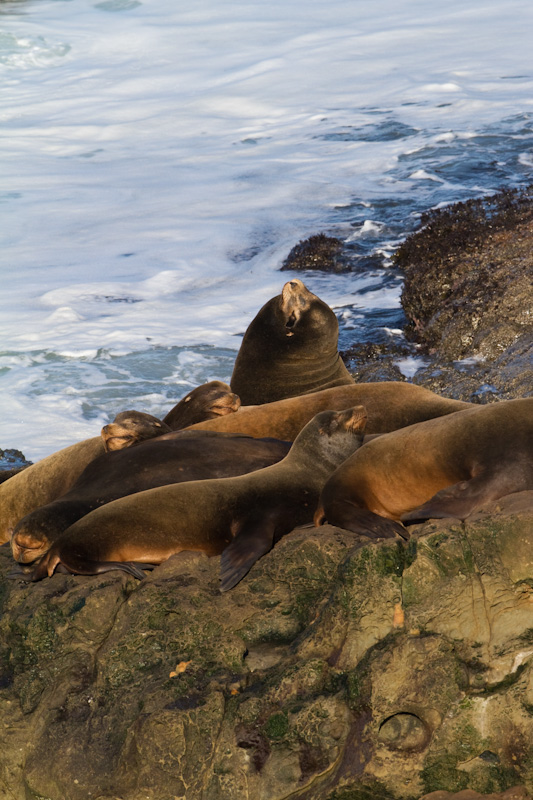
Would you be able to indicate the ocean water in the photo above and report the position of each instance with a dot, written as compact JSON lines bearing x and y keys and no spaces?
{"x":160,"y":159}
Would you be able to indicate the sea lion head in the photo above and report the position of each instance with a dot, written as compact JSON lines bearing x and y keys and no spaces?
{"x":293,"y":320}
{"x":303,"y":318}
{"x":331,"y":436}
{"x":210,"y":400}
{"x":29,"y":541}
{"x":130,"y":427}
{"x":289,"y":348}
{"x":215,"y":398}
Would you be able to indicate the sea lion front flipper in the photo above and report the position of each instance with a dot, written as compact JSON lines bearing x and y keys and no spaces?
{"x":458,"y":500}
{"x":254,"y":539}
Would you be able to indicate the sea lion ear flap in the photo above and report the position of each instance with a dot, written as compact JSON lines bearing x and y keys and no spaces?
{"x":254,"y":539}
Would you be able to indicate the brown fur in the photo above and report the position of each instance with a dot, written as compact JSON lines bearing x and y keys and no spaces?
{"x":241,"y":516}
{"x":289,"y":349}
{"x":389,"y":406}
{"x":183,"y":456}
{"x":445,"y":467}
{"x":54,"y":475}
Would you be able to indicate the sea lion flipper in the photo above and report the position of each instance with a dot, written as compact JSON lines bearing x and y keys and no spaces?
{"x":458,"y":500}
{"x":20,"y":574}
{"x":361,"y":520}
{"x":254,"y":539}
{"x":53,"y":562}
{"x":96,"y":567}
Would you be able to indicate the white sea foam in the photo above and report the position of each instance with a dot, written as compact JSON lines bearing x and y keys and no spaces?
{"x":161,"y":159}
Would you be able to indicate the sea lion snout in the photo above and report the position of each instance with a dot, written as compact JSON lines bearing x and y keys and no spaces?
{"x":226,"y":403}
{"x":27,"y":547}
{"x":352,"y":420}
{"x":295,"y":298}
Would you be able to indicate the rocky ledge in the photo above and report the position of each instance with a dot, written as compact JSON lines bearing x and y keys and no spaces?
{"x":339,"y":669}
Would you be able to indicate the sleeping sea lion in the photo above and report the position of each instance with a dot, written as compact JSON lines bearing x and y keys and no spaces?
{"x":208,"y":401}
{"x":240,"y":517}
{"x":289,"y":349}
{"x":51,"y":477}
{"x":183,"y":456}
{"x":445,"y":467}
{"x":389,"y":405}
{"x":131,"y":427}
{"x":43,"y":481}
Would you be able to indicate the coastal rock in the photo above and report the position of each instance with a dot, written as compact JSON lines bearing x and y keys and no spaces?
{"x":339,"y":668}
{"x":515,"y":793}
{"x":318,"y":252}
{"x":11,"y":462}
{"x":468,"y":296}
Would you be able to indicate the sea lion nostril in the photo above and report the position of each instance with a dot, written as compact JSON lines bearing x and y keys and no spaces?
{"x":291,"y":322}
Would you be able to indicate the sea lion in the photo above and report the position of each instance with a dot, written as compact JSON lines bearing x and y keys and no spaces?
{"x":239,"y":517}
{"x":183,"y":456}
{"x":6,"y":474}
{"x":131,"y":427}
{"x":389,"y":405}
{"x":289,"y":349}
{"x":211,"y":400}
{"x":445,"y":467}
{"x":43,"y":481}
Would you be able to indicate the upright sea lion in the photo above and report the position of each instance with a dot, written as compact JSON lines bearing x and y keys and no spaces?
{"x":241,"y":517}
{"x":445,"y":467}
{"x":184,"y":456}
{"x":289,"y":348}
{"x":208,"y":401}
{"x":390,"y":405}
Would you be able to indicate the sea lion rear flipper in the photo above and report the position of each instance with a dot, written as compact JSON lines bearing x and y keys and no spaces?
{"x":254,"y":539}
{"x":20,"y":573}
{"x":458,"y":500}
{"x":360,"y":520}
{"x":51,"y":563}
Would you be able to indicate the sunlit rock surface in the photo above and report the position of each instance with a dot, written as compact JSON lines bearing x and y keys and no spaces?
{"x":337,"y":669}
